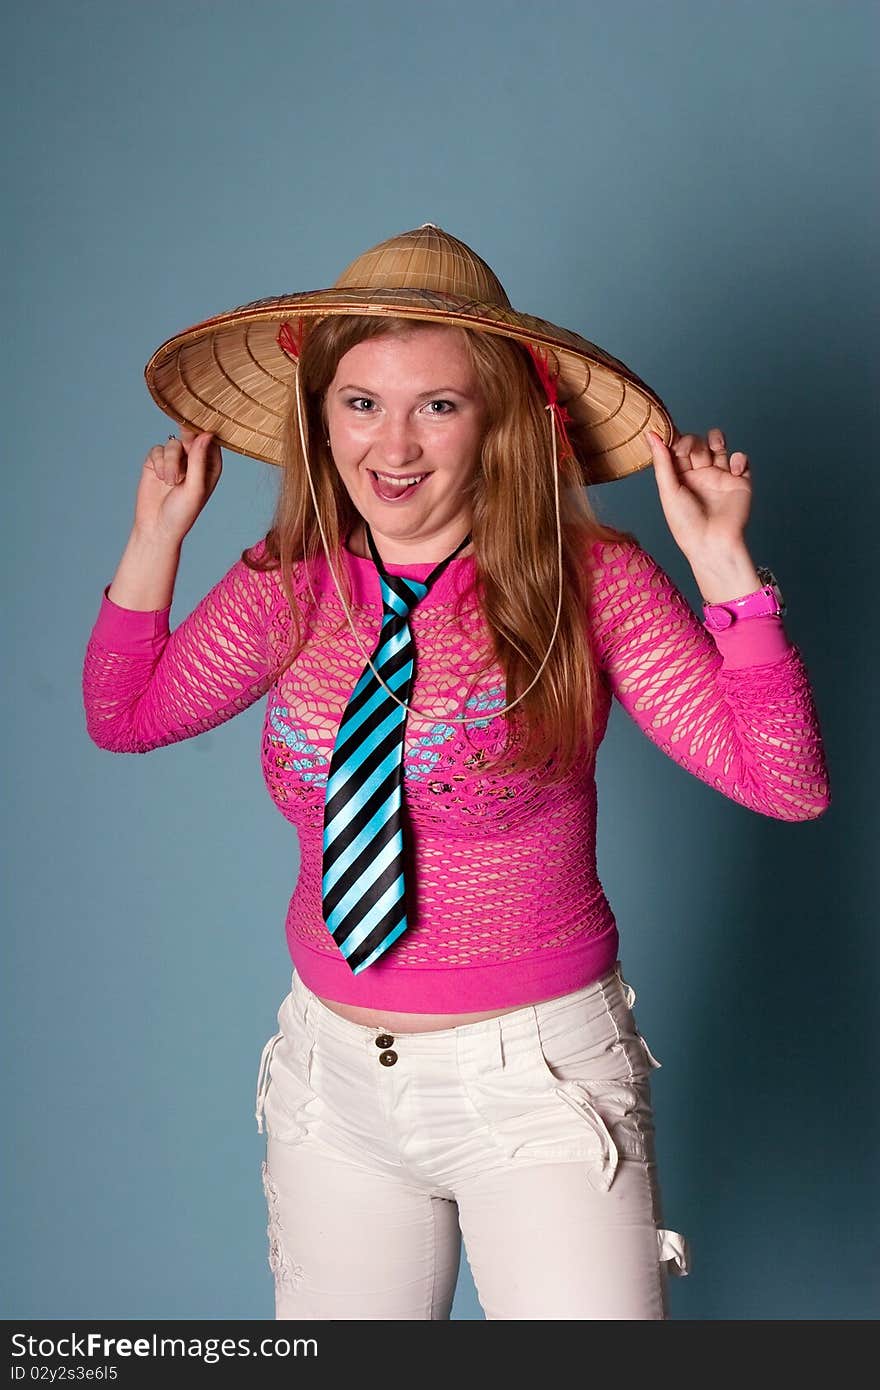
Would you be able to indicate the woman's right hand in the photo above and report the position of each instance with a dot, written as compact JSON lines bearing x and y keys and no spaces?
{"x":176,"y":482}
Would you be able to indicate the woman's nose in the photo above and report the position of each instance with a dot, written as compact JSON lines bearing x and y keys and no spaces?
{"x":398,"y":442}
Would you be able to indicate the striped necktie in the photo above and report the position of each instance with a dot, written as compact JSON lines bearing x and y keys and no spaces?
{"x":363,"y":894}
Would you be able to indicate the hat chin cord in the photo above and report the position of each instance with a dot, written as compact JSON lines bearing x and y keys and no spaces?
{"x":447,"y":718}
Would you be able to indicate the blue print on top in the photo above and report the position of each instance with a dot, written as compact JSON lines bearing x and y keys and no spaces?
{"x":296,"y":740}
{"x":313,"y":766}
{"x":423,"y":758}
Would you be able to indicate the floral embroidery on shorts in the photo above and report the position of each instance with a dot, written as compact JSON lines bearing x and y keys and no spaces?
{"x":285,"y":1271}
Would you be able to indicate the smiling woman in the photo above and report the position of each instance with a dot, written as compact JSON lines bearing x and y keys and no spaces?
{"x":397,"y":439}
{"x":457,"y":1054}
{"x":464,"y":412}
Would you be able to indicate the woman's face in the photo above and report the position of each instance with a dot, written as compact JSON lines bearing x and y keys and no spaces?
{"x":408,"y":406}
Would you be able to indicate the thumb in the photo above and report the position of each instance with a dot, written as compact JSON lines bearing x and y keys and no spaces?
{"x":664,"y":468}
{"x":197,"y":454}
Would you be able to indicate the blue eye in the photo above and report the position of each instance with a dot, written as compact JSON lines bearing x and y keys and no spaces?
{"x":353,"y":402}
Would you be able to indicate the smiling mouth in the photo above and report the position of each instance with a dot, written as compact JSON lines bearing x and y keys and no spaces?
{"x":391,"y":491}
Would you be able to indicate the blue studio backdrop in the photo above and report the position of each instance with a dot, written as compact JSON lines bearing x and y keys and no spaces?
{"x":683,"y":184}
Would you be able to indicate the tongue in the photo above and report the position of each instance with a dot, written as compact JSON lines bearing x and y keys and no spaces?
{"x":390,"y":490}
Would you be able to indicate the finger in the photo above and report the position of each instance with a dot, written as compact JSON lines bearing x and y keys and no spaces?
{"x":157,"y":460}
{"x":719,"y":448}
{"x":739,"y":465}
{"x":665,"y":468}
{"x":701,"y":454}
{"x":172,"y":466}
{"x":173,"y":451}
{"x":682,"y":447}
{"x":213,"y":463}
{"x":197,"y":458}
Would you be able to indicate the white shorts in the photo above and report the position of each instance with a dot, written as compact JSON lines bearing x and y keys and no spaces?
{"x":529,"y":1135}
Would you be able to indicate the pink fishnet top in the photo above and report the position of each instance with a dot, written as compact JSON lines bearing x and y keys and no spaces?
{"x":505,"y":906}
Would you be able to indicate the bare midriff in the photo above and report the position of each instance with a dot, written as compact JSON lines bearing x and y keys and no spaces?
{"x":408,"y":1023}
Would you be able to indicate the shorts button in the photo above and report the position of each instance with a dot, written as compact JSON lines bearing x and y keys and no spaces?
{"x":388,"y":1058}
{"x":384,"y":1040}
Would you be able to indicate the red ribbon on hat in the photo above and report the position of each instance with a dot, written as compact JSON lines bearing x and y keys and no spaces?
{"x":290,"y":341}
{"x":541,"y":360}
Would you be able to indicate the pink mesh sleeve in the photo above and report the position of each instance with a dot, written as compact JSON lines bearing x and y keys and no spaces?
{"x":735,"y":709}
{"x":145,"y":686}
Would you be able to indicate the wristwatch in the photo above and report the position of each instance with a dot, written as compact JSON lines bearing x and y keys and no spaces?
{"x":766,"y":601}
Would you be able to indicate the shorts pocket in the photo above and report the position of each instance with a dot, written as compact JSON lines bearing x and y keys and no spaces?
{"x":577,"y":1087}
{"x":625,"y":1108}
{"x":606,"y":1076}
{"x":533,"y":1113}
{"x":530,"y":1117}
{"x":538,"y":1118}
{"x":603,"y":1047}
{"x":285,"y":1097}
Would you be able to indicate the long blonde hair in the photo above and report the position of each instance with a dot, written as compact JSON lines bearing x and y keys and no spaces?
{"x":513,"y":510}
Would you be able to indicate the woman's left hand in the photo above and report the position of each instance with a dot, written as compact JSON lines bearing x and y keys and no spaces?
{"x":706,"y":495}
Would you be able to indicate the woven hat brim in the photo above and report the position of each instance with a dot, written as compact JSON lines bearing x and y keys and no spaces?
{"x":228,"y":374}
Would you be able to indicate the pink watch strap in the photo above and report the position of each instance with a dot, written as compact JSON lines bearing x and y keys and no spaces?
{"x":761,"y":603}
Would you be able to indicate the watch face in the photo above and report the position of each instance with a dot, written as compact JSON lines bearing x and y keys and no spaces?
{"x":767,"y":576}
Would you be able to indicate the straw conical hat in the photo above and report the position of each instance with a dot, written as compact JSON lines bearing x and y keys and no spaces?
{"x":229,"y":374}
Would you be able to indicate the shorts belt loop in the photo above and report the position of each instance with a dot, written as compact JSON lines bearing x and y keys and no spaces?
{"x":627,"y":988}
